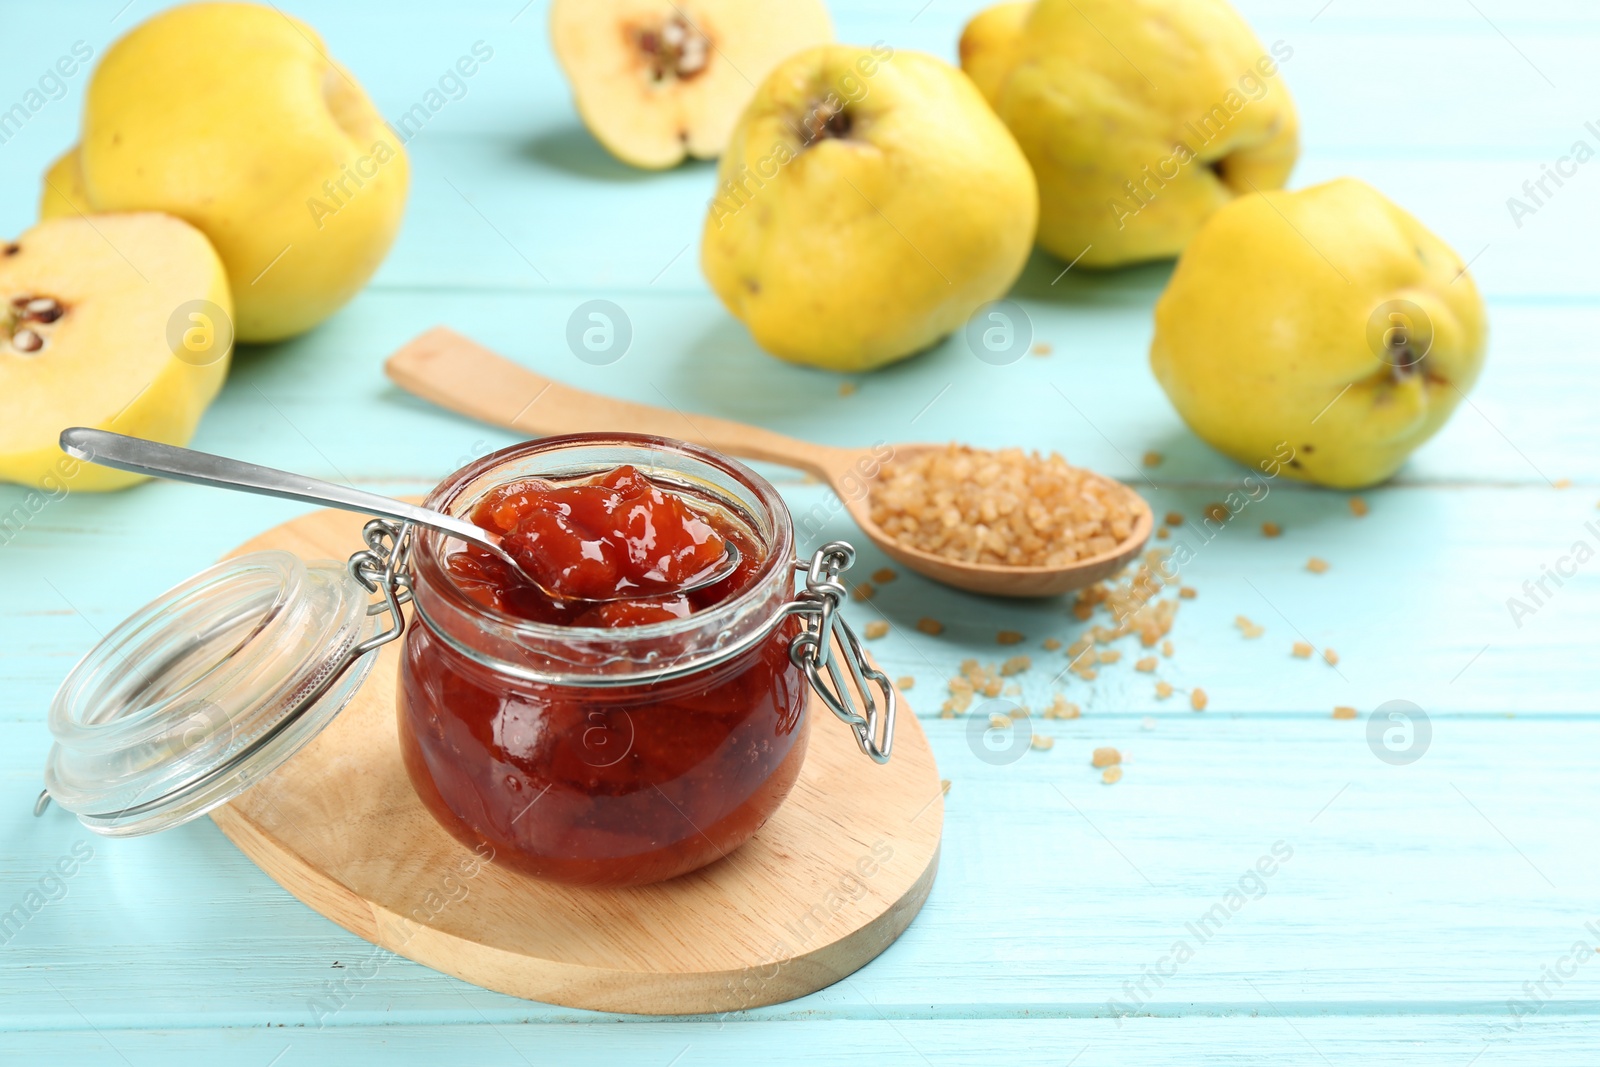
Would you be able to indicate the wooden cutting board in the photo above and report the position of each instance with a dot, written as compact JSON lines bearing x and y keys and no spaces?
{"x":829,"y":883}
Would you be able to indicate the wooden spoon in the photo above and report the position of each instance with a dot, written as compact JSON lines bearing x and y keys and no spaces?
{"x":456,"y":373}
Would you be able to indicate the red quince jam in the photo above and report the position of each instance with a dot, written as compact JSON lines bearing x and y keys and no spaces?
{"x":619,"y":543}
{"x":596,"y":785}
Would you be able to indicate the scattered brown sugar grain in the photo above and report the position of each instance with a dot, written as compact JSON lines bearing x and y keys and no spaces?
{"x":1198,"y":700}
{"x":1050,"y":644}
{"x":1109,"y":655}
{"x":1147,"y":665}
{"x":1302,"y":650}
{"x":1008,"y":637}
{"x":1166,"y":649}
{"x":931,"y":627}
{"x":1006,"y":508}
{"x":1317,"y":565}
{"x":1162,"y":533}
{"x":975,"y":679}
{"x":1163,"y":690}
{"x":1153,"y":459}
{"x":864,"y":591}
{"x":904,"y":682}
{"x":1174,"y":518}
{"x":1105,"y":757}
{"x":876,"y":629}
{"x":1562,"y":483}
{"x":847,"y":388}
{"x":1342,"y":712}
{"x":1188,"y":592}
{"x":1061,"y":708}
{"x":1218,"y":512}
{"x":883,"y":575}
{"x":1270,"y":529}
{"x":1250,"y":630}
{"x":1015,"y":665}
{"x":1331,"y":656}
{"x":1042,"y":743}
{"x":1358,"y":507}
{"x":1111,"y":775}
{"x":1042,"y":349}
{"x":1133,"y":601}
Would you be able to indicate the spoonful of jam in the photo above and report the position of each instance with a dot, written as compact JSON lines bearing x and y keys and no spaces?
{"x":622,"y":538}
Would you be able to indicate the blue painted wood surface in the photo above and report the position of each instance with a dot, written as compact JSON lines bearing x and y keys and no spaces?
{"x":1420,"y":905}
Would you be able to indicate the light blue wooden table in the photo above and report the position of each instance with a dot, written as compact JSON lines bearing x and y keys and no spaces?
{"x":1421,"y":903}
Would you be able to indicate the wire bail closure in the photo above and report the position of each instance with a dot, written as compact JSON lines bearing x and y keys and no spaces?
{"x":384,"y":566}
{"x":812,"y":650}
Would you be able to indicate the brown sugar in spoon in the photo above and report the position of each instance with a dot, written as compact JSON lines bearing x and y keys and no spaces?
{"x":454,"y":372}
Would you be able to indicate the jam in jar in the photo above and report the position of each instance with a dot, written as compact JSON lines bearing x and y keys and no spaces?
{"x":602,"y":741}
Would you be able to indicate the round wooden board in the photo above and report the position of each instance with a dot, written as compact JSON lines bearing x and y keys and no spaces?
{"x":830,"y":881}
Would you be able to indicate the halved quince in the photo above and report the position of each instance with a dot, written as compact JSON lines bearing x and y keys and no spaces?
{"x":121,"y":322}
{"x":658,"y":80}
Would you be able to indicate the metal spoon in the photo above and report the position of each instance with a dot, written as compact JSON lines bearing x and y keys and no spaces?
{"x":139,"y":456}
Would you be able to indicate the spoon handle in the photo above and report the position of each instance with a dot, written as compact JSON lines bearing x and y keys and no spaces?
{"x":186,"y":465}
{"x":454,"y":372}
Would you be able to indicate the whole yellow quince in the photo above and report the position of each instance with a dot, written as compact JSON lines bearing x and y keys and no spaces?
{"x":233,"y":117}
{"x":1140,"y":117}
{"x":867,"y":204}
{"x":1322,"y":334}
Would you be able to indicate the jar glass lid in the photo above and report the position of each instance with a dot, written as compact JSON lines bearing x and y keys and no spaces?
{"x":205,"y":690}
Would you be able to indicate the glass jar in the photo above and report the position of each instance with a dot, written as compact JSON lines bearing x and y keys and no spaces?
{"x":615,"y":756}
{"x":581,"y":755}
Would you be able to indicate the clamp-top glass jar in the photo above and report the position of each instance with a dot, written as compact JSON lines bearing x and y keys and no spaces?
{"x":583,"y":754}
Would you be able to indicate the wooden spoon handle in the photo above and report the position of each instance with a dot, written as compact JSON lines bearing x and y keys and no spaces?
{"x":457,"y":373}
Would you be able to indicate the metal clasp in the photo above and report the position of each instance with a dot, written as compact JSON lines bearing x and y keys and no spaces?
{"x":384,"y":566}
{"x":812,"y":651}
